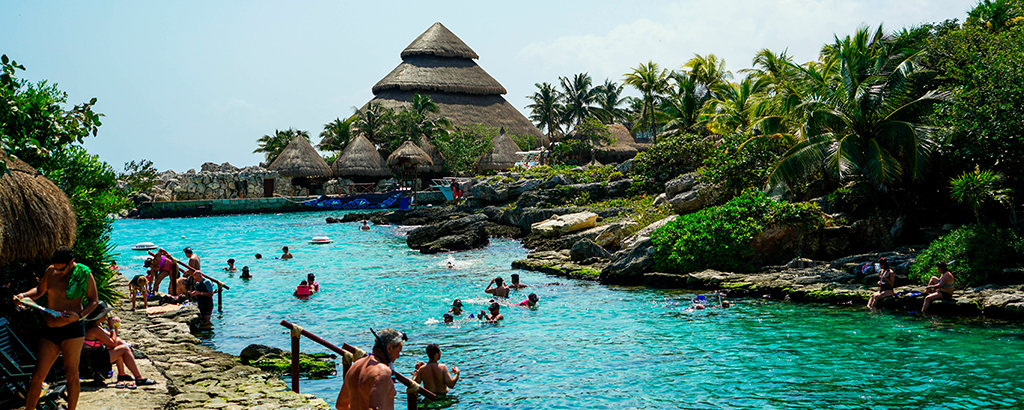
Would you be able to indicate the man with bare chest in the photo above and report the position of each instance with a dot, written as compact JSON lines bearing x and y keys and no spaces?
{"x":368,"y":385}
{"x":67,"y":285}
{"x":434,"y":376}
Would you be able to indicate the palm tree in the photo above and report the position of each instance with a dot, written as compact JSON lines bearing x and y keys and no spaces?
{"x":428,"y":122}
{"x":861,"y":112}
{"x":546,"y":109}
{"x":375,"y":122}
{"x":980,"y":187}
{"x":336,"y":134}
{"x":995,"y":16}
{"x":579,"y":98}
{"x":651,"y":81}
{"x":609,"y":98}
{"x":708,"y":71}
{"x":682,"y":103}
{"x":734,"y":107}
{"x":272,"y":145}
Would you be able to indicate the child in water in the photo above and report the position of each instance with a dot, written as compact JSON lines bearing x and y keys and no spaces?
{"x":245,"y":273}
{"x":302,"y":289}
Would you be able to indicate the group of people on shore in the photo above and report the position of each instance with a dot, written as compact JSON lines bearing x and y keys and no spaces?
{"x":939,"y":287}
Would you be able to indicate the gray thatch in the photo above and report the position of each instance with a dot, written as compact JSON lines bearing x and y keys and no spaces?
{"x":300,"y":159}
{"x":35,"y":216}
{"x":408,"y":154}
{"x":622,"y":149}
{"x":439,"y":65}
{"x":360,"y":158}
{"x":435,"y":157}
{"x":441,"y":42}
{"x":501,"y":156}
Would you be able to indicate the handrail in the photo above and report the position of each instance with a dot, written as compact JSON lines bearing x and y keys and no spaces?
{"x":351,"y":349}
{"x":185,"y":265}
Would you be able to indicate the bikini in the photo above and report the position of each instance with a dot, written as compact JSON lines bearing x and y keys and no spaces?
{"x":944,"y":294}
{"x":882,"y":283}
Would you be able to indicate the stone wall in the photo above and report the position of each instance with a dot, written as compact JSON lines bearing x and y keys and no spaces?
{"x":226,"y":181}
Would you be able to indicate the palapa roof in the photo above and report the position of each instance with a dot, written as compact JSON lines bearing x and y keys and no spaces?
{"x":408,"y":154}
{"x":439,"y":65}
{"x":300,"y":159}
{"x":624,"y":142}
{"x":35,"y":216}
{"x":501,"y":156}
{"x":441,"y":42}
{"x":435,"y":156}
{"x":360,"y":158}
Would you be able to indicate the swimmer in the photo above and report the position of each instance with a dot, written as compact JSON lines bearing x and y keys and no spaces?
{"x":313,"y":285}
{"x":515,"y":282}
{"x":495,"y":314}
{"x":245,"y":273}
{"x":286,"y":254}
{"x":448,"y":318}
{"x":450,"y":266}
{"x":231,"y":266}
{"x":434,"y":376}
{"x":302,"y":289}
{"x":500,"y":290}
{"x":456,"y":308}
{"x":259,"y":256}
{"x":364,"y":227}
{"x":530,"y":301}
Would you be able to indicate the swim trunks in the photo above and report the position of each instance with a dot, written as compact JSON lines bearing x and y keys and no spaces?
{"x":58,"y":335}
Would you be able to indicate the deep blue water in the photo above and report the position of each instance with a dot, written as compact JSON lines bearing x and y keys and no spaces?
{"x":587,"y":345}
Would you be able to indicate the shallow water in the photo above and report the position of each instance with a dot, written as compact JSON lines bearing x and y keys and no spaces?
{"x":586,"y":345}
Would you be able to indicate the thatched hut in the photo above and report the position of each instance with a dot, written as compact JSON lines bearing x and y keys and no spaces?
{"x":360,"y":160}
{"x":303,"y":171}
{"x":408,"y":155}
{"x":502,"y":155}
{"x":436,"y":158}
{"x":622,"y":149}
{"x":439,"y":65}
{"x":35,"y":216}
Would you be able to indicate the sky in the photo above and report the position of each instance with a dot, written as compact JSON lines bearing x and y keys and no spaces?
{"x":182,"y":83}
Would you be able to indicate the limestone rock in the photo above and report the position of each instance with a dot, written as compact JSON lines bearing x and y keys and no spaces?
{"x":255,"y":352}
{"x":660,"y":200}
{"x":682,"y":183}
{"x":468,"y":232}
{"x":629,"y":265}
{"x":687,"y":202}
{"x":613,"y":235}
{"x":586,"y":249}
{"x":645,"y":233}
{"x":561,"y":224}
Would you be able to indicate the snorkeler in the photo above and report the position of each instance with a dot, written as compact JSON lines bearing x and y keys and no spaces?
{"x":530,"y":301}
{"x":495,"y":314}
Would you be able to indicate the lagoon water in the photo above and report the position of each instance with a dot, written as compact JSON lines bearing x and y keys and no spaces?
{"x":587,"y":345}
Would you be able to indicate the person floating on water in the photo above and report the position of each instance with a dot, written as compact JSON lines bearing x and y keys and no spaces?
{"x":456,"y":308}
{"x":313,"y":285}
{"x":303,"y":289}
{"x":500,"y":290}
{"x":245,"y":273}
{"x":495,"y":314}
{"x":448,"y":318}
{"x":286,"y":254}
{"x":886,"y":284}
{"x":259,"y":256}
{"x":450,"y":265}
{"x":364,"y":226}
{"x":368,"y":384}
{"x":515,"y":283}
{"x":231,"y":266}
{"x":530,"y":301}
{"x":434,"y":375}
{"x":941,"y":286}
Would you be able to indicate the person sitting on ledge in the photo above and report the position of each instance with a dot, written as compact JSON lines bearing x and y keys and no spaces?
{"x":941,"y":286}
{"x":886,"y":284}
{"x":120,"y":352}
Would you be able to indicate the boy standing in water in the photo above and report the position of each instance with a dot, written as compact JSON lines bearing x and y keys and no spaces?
{"x":434,"y":376}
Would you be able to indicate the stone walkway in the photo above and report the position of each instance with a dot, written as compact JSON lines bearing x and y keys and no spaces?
{"x":188,"y":374}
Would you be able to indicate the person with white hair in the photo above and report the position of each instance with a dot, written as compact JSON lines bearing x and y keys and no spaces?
{"x":368,"y":384}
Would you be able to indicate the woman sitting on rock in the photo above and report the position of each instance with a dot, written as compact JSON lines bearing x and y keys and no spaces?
{"x":886,"y":284}
{"x":120,"y":353}
{"x":941,"y":286}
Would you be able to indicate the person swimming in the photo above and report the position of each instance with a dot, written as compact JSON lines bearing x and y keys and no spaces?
{"x":303,"y":289}
{"x":500,"y":290}
{"x":456,"y":308}
{"x":530,"y":301}
{"x":364,"y":227}
{"x":259,"y":256}
{"x":245,"y":273}
{"x":448,"y":318}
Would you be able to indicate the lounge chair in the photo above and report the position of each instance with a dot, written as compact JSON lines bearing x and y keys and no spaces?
{"x":16,"y":366}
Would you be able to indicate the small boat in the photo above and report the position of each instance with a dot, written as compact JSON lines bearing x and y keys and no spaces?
{"x":144,"y":246}
{"x":320,"y":240}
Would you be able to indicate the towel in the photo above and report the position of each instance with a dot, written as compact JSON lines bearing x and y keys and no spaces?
{"x":78,"y":283}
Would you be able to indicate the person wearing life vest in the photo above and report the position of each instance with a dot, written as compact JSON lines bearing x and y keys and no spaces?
{"x":303,"y":289}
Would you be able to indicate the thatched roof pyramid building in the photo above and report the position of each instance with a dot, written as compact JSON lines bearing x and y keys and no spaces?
{"x":360,"y":159}
{"x":439,"y":65}
{"x":35,"y":215}
{"x":299,"y":159}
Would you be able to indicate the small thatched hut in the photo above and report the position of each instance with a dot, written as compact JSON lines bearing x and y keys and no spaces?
{"x":502,"y":155}
{"x":302,"y":169}
{"x":360,"y":159}
{"x":439,"y":65}
{"x":435,"y":157}
{"x":35,"y":216}
{"x":408,"y":155}
{"x":622,"y":149}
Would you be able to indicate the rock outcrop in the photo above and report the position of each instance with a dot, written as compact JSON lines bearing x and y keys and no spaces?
{"x":563,"y":224}
{"x":468,"y":232}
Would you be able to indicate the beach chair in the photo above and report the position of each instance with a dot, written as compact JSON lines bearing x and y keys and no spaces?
{"x":16,"y":366}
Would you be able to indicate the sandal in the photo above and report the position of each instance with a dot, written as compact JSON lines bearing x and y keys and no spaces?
{"x":144,"y":382}
{"x":125,"y":382}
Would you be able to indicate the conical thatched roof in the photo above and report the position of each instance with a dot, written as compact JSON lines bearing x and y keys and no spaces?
{"x":299,"y":159}
{"x":441,"y":42}
{"x":501,"y":156}
{"x":409,"y":155}
{"x":35,"y":216}
{"x":360,"y":158}
{"x":622,"y":149}
{"x":439,"y":65}
{"x":435,"y":156}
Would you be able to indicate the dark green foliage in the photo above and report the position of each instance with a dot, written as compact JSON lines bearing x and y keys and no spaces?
{"x":140,"y":176}
{"x":719,"y":237}
{"x":463,"y":147}
{"x":313,"y":365}
{"x":579,"y":146}
{"x":671,"y":156}
{"x":733,"y":166}
{"x":525,"y":142}
{"x":272,"y":145}
{"x":977,"y":250}
{"x":579,"y":175}
{"x":336,"y":135}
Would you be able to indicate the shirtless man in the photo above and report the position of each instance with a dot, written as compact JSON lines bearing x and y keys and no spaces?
{"x":515,"y":285}
{"x":193,"y":259}
{"x":286,"y":254}
{"x":434,"y":376}
{"x":364,"y":227}
{"x":500,"y":290}
{"x":495,"y":314}
{"x":67,"y":285}
{"x":368,"y":385}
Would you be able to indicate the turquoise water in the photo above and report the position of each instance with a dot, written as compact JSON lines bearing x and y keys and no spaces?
{"x":587,"y":345}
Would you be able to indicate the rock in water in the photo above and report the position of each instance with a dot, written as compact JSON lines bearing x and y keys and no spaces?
{"x":468,"y":232}
{"x":254,"y":352}
{"x":586,"y":249}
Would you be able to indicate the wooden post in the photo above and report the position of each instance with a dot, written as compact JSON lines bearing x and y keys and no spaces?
{"x":412,"y":401}
{"x":174,"y":282}
{"x":220,"y":299}
{"x":295,"y":363}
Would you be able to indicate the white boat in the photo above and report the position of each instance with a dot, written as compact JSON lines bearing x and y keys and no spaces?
{"x":445,"y":185}
{"x":144,"y":246}
{"x":320,"y":240}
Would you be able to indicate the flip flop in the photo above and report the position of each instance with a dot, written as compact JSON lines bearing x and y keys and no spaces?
{"x":144,"y":382}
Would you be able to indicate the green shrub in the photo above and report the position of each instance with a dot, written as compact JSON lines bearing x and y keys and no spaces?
{"x":671,"y":156}
{"x":977,"y":250}
{"x":719,"y":237}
